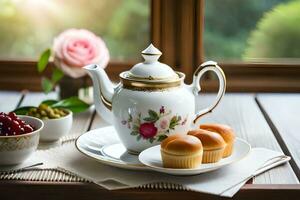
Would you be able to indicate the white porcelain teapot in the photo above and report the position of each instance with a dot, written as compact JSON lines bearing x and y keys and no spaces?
{"x":151,"y":101}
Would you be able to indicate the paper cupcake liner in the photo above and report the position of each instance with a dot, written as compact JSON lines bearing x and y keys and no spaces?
{"x":175,"y":161}
{"x":212,"y":156}
{"x":228,"y":150}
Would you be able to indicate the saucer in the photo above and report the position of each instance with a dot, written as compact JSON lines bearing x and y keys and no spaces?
{"x":103,"y":145}
{"x":151,"y":157}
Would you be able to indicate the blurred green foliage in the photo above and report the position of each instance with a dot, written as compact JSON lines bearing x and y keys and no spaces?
{"x":27,"y":27}
{"x":228,"y":24}
{"x":277,"y":34}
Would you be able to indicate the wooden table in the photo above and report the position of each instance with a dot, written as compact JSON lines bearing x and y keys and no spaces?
{"x":264,"y":120}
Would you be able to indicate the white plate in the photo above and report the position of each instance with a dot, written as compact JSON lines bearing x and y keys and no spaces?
{"x":103,"y":145}
{"x":151,"y":157}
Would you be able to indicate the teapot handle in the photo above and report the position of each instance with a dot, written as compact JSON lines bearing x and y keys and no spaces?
{"x":208,"y":66}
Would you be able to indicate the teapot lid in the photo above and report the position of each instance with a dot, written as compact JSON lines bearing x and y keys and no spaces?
{"x":151,"y":68}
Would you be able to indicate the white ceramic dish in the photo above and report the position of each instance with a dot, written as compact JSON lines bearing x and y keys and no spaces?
{"x":15,"y":149}
{"x":54,"y":129}
{"x":151,"y":158}
{"x":104,"y":146}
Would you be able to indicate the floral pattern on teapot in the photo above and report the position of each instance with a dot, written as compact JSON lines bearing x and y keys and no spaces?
{"x":156,"y":126}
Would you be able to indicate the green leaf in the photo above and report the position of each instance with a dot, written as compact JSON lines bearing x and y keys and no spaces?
{"x":138,"y":138}
{"x":134,"y":133}
{"x":174,"y":122}
{"x":153,"y":114}
{"x":135,"y":127}
{"x":23,"y":110}
{"x":161,"y":137}
{"x":43,"y":61}
{"x":47,"y":85}
{"x":151,"y":140}
{"x":57,"y":75}
{"x":130,"y":118}
{"x":73,"y":103}
{"x":149,"y":119}
{"x":139,"y":119}
{"x":49,"y":102}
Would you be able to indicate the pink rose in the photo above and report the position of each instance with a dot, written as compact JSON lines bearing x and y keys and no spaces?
{"x":75,"y":48}
{"x":148,"y":130}
{"x":164,"y":124}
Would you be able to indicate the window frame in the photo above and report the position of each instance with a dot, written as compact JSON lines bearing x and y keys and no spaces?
{"x":26,"y":77}
{"x":177,"y":28}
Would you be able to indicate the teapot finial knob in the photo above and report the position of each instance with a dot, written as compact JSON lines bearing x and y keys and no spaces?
{"x":151,"y":54}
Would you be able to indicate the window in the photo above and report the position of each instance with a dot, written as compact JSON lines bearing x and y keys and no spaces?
{"x":29,"y":26}
{"x":236,"y":33}
{"x":252,"y":30}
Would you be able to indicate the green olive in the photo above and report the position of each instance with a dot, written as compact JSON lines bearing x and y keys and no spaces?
{"x":46,"y":112}
{"x":43,"y":113}
{"x":32,"y":110}
{"x":61,"y":113}
{"x":56,"y":116}
{"x":43,"y":106}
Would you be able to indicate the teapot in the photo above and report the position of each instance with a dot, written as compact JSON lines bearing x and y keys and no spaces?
{"x":151,"y":101}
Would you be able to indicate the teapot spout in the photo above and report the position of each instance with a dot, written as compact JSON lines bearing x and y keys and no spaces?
{"x":103,"y":90}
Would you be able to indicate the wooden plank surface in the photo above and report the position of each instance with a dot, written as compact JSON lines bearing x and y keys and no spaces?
{"x":283,"y":111}
{"x":241,"y":112}
{"x":84,"y":191}
{"x":9,"y":100}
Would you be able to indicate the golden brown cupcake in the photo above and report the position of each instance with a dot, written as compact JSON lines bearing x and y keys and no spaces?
{"x":181,"y":151}
{"x":226,"y":132}
{"x":213,"y":145}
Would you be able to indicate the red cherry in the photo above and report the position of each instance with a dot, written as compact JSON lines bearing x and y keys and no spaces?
{"x":28,"y":129}
{"x":2,"y":118}
{"x":21,"y":122}
{"x":15,"y":122}
{"x":15,"y":127}
{"x":22,"y":130}
{"x":10,"y":124}
{"x":12,"y":115}
{"x":7,"y":120}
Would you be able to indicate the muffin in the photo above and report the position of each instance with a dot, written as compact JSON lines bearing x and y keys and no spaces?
{"x":226,"y":132}
{"x":181,"y":151}
{"x":213,"y":145}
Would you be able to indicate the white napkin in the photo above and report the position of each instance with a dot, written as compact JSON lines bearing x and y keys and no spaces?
{"x":224,"y":182}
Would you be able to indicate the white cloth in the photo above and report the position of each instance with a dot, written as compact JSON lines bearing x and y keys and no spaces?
{"x":224,"y":182}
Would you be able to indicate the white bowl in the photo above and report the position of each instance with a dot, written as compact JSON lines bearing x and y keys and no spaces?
{"x":54,"y":129}
{"x":17,"y":148}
